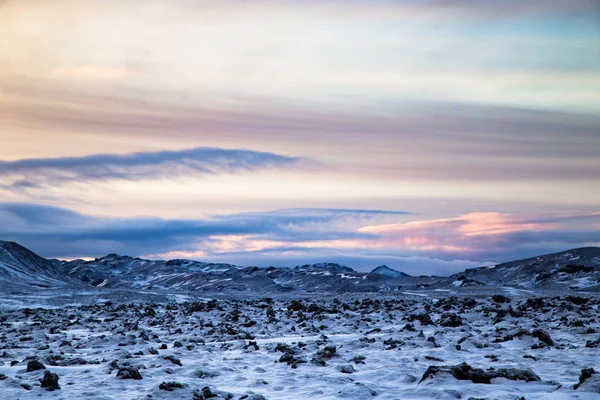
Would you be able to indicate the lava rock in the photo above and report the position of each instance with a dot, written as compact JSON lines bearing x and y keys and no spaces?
{"x":586,"y":373}
{"x":35,"y":365}
{"x":174,"y":360}
{"x":50,"y":381}
{"x":451,"y":320}
{"x":464,"y":372}
{"x":170,"y":386}
{"x":346,"y":369}
{"x":129,"y":372}
{"x":543,"y":336}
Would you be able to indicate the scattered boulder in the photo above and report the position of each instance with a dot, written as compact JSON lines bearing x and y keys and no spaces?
{"x":543,"y":336}
{"x":590,"y":385}
{"x":586,"y":373}
{"x":464,"y":372}
{"x":328,"y":352}
{"x":346,"y":369}
{"x":499,"y":298}
{"x":129,"y":372}
{"x":450,"y":320}
{"x":50,"y":381}
{"x":174,"y":360}
{"x":170,"y":386}
{"x":205,"y":393}
{"x":423,"y":318}
{"x":35,"y":365}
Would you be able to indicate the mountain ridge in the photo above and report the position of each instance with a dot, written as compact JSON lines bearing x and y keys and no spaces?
{"x":575,"y":269}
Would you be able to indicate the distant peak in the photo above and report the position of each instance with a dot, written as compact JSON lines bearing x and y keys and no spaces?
{"x":329,"y":266}
{"x":113,"y":256}
{"x":387,"y":271}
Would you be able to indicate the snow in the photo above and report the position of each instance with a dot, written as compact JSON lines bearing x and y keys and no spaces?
{"x":105,"y":333}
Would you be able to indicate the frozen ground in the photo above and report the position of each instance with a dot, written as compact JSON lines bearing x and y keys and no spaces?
{"x":348,"y":346}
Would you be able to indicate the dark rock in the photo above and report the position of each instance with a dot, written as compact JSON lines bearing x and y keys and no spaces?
{"x":205,"y":374}
{"x":499,"y":298}
{"x":295,"y":305}
{"x":423,"y":318}
{"x":328,"y":352}
{"x":170,"y":386}
{"x":586,"y":373}
{"x":450,"y":320}
{"x":591,"y":385}
{"x":129,"y":372}
{"x":592,"y":343}
{"x":35,"y":365}
{"x":346,"y":369}
{"x":358,"y":359}
{"x":174,"y":360}
{"x":50,"y":381}
{"x":253,"y":344}
{"x":476,"y":375}
{"x":543,"y":336}
{"x":204,"y":394}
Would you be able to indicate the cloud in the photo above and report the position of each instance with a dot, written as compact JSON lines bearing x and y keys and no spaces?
{"x":34,"y":172}
{"x":58,"y":232}
{"x":298,"y":236}
{"x":91,"y":72}
{"x":489,"y":236}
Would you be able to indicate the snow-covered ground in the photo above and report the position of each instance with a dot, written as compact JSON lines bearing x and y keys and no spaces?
{"x":348,"y":346}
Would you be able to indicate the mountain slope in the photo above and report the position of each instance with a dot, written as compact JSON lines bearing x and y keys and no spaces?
{"x":20,"y":266}
{"x":114,"y":271}
{"x":575,"y":269}
{"x":387,"y":271}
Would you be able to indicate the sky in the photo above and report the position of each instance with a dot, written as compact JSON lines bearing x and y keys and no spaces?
{"x":426,"y":135}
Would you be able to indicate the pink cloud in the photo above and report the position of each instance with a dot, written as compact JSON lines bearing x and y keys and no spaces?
{"x":475,"y":236}
{"x":463,"y":234}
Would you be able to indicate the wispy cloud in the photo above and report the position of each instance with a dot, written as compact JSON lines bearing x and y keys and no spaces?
{"x":56,"y":231}
{"x":33,"y":172}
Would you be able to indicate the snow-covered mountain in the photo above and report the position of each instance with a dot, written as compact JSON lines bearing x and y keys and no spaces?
{"x":574,"y":269}
{"x":21,"y":267}
{"x":387,"y":271}
{"x":114,"y":271}
{"x":123,"y":271}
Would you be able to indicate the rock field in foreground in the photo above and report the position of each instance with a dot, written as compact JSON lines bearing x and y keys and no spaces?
{"x":346,"y":346}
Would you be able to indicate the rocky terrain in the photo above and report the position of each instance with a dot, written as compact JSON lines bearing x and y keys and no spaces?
{"x":352,"y":346}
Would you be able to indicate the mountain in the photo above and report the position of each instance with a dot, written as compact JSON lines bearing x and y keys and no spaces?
{"x":21,"y":267}
{"x":387,"y":271}
{"x":574,"y":269}
{"x":115,"y":271}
